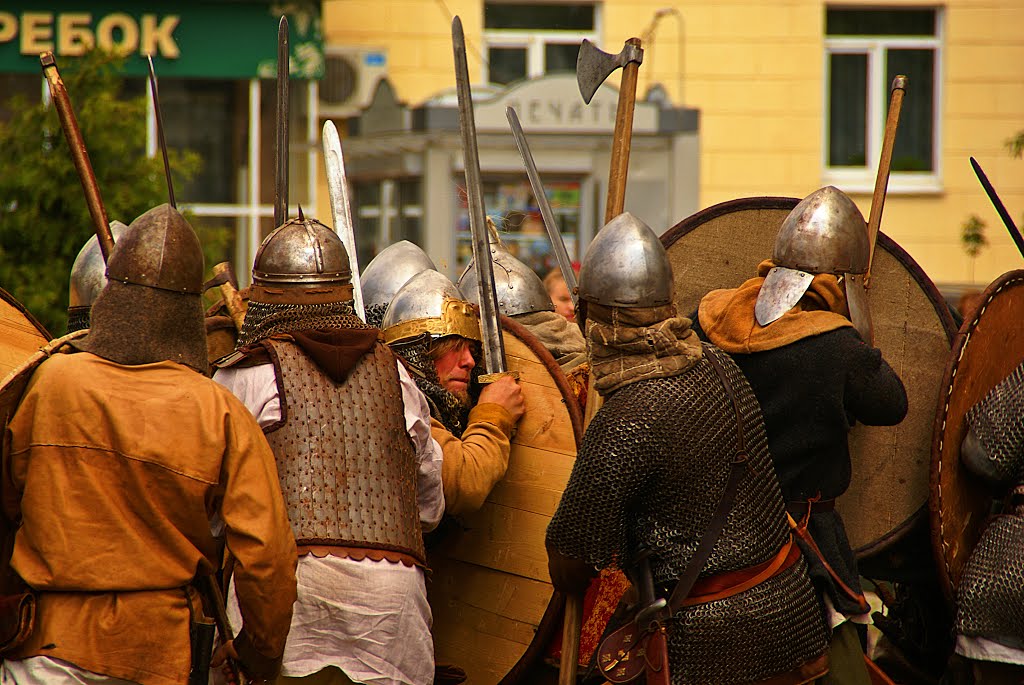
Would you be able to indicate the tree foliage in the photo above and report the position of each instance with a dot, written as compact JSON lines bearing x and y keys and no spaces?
{"x":1015,"y":145}
{"x":44,"y":220}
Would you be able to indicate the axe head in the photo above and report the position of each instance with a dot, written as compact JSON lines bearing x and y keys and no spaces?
{"x":594,"y":65}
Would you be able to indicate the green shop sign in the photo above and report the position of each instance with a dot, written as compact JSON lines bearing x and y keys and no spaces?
{"x":230,"y":39}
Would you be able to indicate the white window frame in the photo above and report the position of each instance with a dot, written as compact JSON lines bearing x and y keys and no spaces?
{"x":248,"y":212}
{"x":534,"y":41}
{"x":862,"y":180}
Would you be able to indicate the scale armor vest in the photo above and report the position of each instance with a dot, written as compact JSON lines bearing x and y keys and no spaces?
{"x":997,"y":425}
{"x":686,"y":425}
{"x":352,"y":483}
{"x":990,"y":602}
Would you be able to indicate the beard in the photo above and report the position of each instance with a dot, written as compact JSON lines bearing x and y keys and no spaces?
{"x":462,"y":396}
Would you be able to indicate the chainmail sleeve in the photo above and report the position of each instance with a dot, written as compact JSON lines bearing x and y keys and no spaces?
{"x":611,"y":473}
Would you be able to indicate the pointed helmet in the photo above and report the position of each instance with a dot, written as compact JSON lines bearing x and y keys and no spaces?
{"x":429,"y":305}
{"x":626,"y":266}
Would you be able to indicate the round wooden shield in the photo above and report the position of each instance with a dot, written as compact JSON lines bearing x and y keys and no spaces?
{"x":721,"y":246}
{"x":490,"y":593}
{"x":988,"y":346}
{"x":20,"y":333}
{"x":13,"y":386}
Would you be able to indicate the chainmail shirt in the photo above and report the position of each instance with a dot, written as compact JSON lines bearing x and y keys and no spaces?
{"x":650,"y":473}
{"x":990,"y":601}
{"x":998,"y":423}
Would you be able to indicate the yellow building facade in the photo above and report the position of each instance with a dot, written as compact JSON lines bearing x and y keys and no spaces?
{"x":760,"y":74}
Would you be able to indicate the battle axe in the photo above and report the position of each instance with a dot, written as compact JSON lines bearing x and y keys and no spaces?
{"x":593,"y":67}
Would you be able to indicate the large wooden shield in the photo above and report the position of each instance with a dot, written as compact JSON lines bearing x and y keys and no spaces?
{"x":14,"y":384}
{"x":988,"y":346}
{"x":490,"y":593}
{"x":20,"y":333}
{"x":720,"y":247}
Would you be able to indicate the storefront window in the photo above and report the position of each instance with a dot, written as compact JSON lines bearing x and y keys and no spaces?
{"x":512,"y":207}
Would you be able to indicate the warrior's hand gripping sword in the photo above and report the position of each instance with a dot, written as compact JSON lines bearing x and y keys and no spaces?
{"x":341,"y":208}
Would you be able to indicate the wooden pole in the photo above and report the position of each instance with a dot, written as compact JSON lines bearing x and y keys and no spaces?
{"x":622,"y":138}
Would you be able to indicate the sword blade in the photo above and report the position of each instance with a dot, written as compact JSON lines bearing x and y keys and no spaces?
{"x":160,"y":131}
{"x":557,"y":244}
{"x":281,"y":137}
{"x":1000,"y":207}
{"x":341,"y":208}
{"x":490,"y":325}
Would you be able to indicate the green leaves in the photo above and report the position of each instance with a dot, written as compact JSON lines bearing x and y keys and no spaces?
{"x":44,"y":220}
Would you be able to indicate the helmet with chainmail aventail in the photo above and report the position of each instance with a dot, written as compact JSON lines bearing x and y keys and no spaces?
{"x":88,"y":276}
{"x":301,"y":280}
{"x":386,"y":273}
{"x":519,"y":288}
{"x":824,"y":234}
{"x":626,"y":266}
{"x":427,"y":308}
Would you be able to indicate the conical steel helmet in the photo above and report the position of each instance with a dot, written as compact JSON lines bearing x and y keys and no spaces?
{"x":159,"y":250}
{"x":824,"y":234}
{"x":390,"y":270}
{"x":301,"y":252}
{"x":429,"y":304}
{"x":626,"y":266}
{"x":89,"y":272}
{"x":519,"y":288}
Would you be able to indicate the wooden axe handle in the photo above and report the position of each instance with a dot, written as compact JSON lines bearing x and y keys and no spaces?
{"x":892,"y":122}
{"x":571,"y":629}
{"x":622,"y":139}
{"x":232,"y":300}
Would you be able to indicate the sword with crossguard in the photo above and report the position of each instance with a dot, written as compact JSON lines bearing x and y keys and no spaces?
{"x":490,"y":325}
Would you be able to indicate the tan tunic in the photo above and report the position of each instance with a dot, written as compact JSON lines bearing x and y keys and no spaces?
{"x":473,"y":465}
{"x":116,"y":472}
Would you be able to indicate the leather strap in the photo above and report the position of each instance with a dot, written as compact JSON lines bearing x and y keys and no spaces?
{"x":718,"y":519}
{"x":801,"y":508}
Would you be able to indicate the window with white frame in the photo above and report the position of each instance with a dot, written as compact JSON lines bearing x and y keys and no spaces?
{"x":525,"y":40}
{"x":864,"y":50}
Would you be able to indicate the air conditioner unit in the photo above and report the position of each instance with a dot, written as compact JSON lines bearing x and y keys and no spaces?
{"x":351,"y":75}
